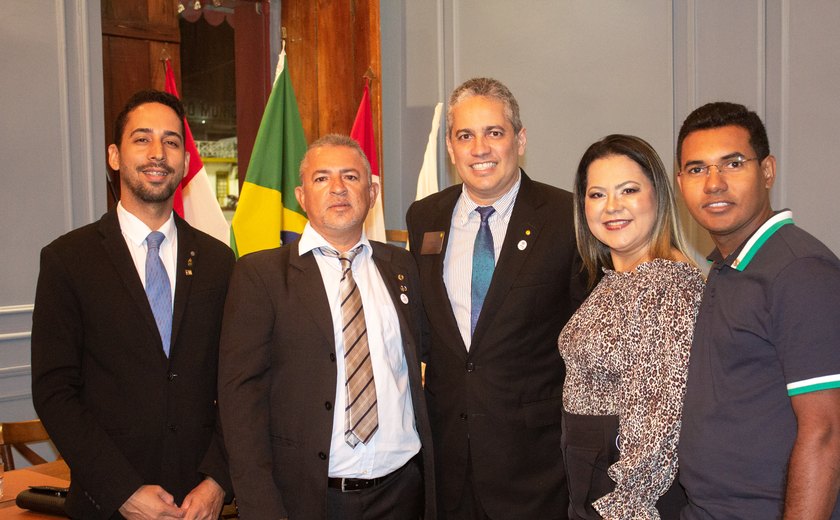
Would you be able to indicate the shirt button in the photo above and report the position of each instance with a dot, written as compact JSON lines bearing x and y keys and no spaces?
{"x":328,"y":405}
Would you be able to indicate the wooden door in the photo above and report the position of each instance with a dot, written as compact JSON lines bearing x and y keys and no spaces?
{"x":134,"y":35}
{"x":330,"y":45}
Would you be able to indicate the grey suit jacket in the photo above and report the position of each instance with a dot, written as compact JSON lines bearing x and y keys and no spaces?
{"x":277,"y":378}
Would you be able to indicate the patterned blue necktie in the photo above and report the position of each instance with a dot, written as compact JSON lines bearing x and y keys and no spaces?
{"x":158,"y":289}
{"x":484,"y":261}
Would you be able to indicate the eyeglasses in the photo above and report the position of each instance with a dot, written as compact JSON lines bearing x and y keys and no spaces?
{"x":728,"y":167}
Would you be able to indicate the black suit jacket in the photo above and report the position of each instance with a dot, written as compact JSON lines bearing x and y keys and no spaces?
{"x":277,"y":378}
{"x":119,"y":412}
{"x":498,"y":406}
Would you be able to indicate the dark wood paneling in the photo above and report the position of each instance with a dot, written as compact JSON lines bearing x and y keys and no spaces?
{"x":337,"y":81}
{"x":299,"y":18}
{"x":134,"y":34}
{"x":330,"y":45}
{"x":253,"y":76}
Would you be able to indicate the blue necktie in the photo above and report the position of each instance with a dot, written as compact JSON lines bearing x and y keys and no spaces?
{"x":484,"y":261}
{"x":158,"y":289}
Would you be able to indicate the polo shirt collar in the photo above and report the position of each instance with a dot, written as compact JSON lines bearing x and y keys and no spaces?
{"x":741,"y":258}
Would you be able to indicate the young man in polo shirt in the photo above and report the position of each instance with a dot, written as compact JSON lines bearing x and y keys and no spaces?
{"x":761,"y":423}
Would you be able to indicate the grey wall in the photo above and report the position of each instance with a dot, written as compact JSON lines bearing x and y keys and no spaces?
{"x":582,"y":69}
{"x":53,"y":159}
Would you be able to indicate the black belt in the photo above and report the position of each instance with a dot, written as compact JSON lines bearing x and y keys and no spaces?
{"x":357,"y":484}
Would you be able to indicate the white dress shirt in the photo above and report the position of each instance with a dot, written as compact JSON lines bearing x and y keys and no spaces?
{"x":396,"y":441}
{"x":457,"y":265}
{"x":134,"y":231}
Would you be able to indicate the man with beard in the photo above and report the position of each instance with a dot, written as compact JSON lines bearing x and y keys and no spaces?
{"x":125,"y":338}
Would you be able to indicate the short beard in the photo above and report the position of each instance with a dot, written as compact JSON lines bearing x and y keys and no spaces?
{"x":160,"y":194}
{"x":153,"y":197}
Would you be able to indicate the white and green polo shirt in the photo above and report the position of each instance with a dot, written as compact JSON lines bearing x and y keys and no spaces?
{"x":768,"y":328}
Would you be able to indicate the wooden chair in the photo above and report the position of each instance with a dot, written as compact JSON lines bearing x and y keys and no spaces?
{"x":17,"y":435}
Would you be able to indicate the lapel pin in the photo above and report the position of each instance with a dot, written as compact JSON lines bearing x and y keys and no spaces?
{"x":189,"y":262}
{"x":522,"y":245}
{"x":400,"y":277}
{"x":403,"y":288}
{"x":404,"y":298}
{"x":188,"y":272}
{"x":527,"y":232}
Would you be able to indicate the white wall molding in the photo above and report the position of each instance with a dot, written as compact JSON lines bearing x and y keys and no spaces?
{"x":16,"y":309}
{"x":15,"y":371}
{"x":14,"y":336}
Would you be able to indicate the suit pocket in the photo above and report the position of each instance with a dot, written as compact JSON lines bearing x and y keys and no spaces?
{"x":586,"y":474}
{"x":283,"y":442}
{"x":543,"y":413}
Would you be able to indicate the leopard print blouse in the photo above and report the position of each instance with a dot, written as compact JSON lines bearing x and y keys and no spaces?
{"x":626,"y":351}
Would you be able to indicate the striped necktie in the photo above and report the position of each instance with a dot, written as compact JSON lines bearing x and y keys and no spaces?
{"x":360,"y":414}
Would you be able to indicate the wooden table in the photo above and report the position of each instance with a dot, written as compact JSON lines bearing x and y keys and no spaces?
{"x":50,"y":474}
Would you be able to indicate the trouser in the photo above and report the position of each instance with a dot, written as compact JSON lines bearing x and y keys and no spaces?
{"x":590,"y":447}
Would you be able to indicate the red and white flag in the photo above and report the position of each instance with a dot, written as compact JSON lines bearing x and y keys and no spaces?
{"x":195,"y":198}
{"x":362,"y":132}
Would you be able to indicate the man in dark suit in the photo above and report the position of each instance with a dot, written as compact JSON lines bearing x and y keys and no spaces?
{"x":319,"y":379}
{"x":500,"y":277}
{"x":125,"y":383}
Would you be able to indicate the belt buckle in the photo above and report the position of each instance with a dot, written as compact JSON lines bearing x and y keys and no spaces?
{"x":344,"y":487}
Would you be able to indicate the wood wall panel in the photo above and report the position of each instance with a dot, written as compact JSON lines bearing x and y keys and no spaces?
{"x":337,"y":83}
{"x":134,"y":34}
{"x":252,"y":43}
{"x":330,"y":45}
{"x":302,"y":60}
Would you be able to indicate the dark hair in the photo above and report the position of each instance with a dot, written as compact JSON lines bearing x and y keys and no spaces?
{"x":665,"y":235}
{"x":337,"y":140}
{"x":141,"y":98}
{"x":490,"y":88}
{"x":721,"y":113}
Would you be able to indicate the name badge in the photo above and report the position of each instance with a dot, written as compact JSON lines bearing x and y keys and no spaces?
{"x":432,"y":243}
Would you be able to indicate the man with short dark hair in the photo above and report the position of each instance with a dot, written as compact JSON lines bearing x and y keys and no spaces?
{"x":500,"y":277}
{"x":761,"y":422}
{"x":319,"y":378}
{"x":125,"y":337}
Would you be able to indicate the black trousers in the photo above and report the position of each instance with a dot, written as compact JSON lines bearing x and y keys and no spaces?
{"x":589,"y":449}
{"x":399,"y":497}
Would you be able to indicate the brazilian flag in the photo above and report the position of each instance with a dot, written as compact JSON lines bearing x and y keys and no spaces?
{"x":268,"y":214}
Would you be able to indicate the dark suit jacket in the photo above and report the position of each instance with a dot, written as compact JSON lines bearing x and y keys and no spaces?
{"x":277,"y":378}
{"x":499,"y":405}
{"x":117,"y":409}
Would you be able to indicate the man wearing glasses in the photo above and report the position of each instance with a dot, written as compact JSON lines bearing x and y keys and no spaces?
{"x":761,"y":422}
